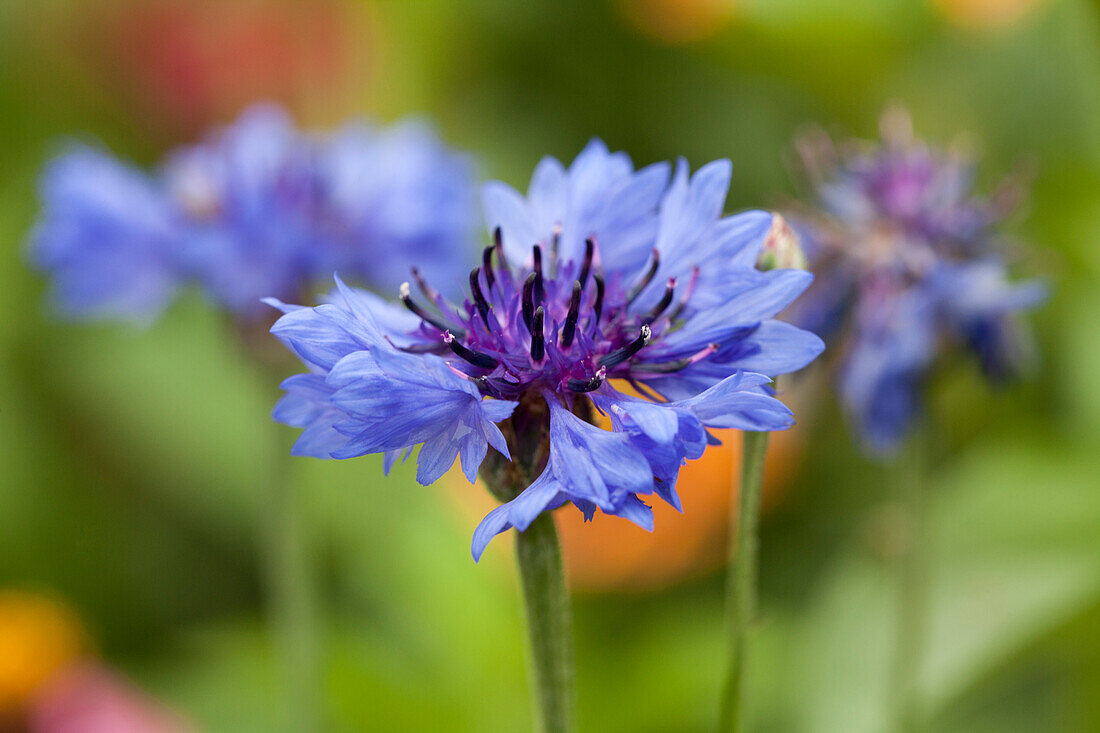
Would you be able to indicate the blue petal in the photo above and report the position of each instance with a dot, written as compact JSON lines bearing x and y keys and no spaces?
{"x":394,"y":400}
{"x":736,"y":402}
{"x":689,"y":210}
{"x":591,"y":463}
{"x":317,"y":336}
{"x":506,"y":209}
{"x":542,"y":495}
{"x":664,"y":434}
{"x":548,"y":194}
{"x":780,"y":348}
{"x":636,"y":511}
{"x":751,"y":297}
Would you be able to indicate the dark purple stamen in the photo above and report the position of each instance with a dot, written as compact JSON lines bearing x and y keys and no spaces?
{"x":487,"y":265}
{"x":424,"y":315}
{"x":687,"y":294}
{"x":529,"y":300}
{"x":620,"y":355}
{"x":662,"y":303}
{"x":635,"y":291}
{"x":587,"y":385}
{"x":589,"y":251}
{"x":667,"y":367}
{"x":479,"y":297}
{"x":429,"y":292}
{"x":539,"y":292}
{"x":498,"y":245}
{"x":476,"y":358}
{"x":569,"y":329}
{"x":597,"y":307}
{"x":538,"y":341}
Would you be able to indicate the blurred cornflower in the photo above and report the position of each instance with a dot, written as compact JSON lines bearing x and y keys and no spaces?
{"x":601,"y":276}
{"x":908,"y":262}
{"x":257,"y":209}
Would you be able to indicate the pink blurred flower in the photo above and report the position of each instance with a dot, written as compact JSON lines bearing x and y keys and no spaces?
{"x":89,"y":698}
{"x":188,"y":64}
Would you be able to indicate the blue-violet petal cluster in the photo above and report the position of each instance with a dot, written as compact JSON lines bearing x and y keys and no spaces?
{"x":256,"y":209}
{"x":907,"y":259}
{"x":605,"y":289}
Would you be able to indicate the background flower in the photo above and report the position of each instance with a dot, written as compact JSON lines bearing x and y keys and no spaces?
{"x":910,"y":261}
{"x":257,"y":209}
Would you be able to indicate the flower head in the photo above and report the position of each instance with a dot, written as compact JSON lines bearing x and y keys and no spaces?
{"x":908,"y":259}
{"x":601,"y":276}
{"x":108,"y":236}
{"x":256,"y":209}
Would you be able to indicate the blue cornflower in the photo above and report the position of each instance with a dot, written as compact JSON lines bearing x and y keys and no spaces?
{"x":907,"y":260}
{"x":256,"y":209}
{"x":600,"y":276}
{"x":109,"y":238}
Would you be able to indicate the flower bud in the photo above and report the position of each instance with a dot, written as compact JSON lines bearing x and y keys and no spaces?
{"x":782,"y":248}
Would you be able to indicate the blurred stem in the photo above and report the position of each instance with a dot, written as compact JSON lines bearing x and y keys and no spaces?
{"x":549,"y":623}
{"x":291,"y":594}
{"x":741,"y":577}
{"x":912,"y":619}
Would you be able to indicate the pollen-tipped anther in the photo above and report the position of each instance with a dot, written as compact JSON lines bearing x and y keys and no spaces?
{"x":405,"y":293}
{"x":620,"y":355}
{"x":587,"y":385}
{"x":476,"y":358}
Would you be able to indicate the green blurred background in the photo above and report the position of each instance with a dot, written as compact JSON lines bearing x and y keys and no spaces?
{"x":133,"y":463}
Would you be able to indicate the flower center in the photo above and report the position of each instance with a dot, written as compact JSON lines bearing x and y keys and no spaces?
{"x":562,"y":326}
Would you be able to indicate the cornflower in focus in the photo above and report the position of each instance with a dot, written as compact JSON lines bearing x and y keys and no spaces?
{"x":908,"y":262}
{"x":256,"y":209}
{"x":601,"y":276}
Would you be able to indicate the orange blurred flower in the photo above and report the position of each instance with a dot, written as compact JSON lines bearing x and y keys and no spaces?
{"x":618,"y":555}
{"x":677,"y":21}
{"x":38,"y":637}
{"x":986,"y":13}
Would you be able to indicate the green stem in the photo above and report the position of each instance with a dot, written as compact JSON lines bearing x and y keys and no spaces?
{"x":741,"y":578}
{"x":549,"y":623}
{"x":912,"y":619}
{"x":290,"y":595}
{"x":538,"y":555}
